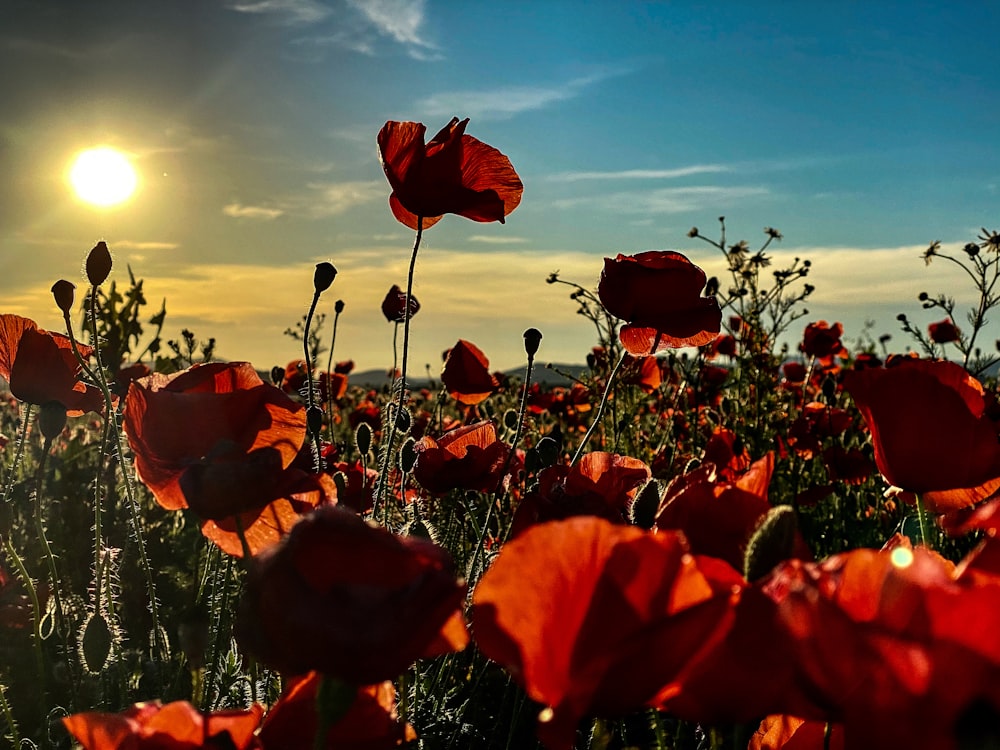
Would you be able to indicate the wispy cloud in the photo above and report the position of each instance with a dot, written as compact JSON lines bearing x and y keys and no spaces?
{"x":331,"y":198}
{"x":288,"y":11}
{"x":507,"y":101}
{"x":664,"y":200}
{"x":490,"y":239}
{"x":642,"y":174}
{"x":143,"y":246}
{"x":239,"y":211}
{"x":400,"y":20}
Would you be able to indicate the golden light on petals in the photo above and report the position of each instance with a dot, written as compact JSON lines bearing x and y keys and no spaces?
{"x":102,"y":176}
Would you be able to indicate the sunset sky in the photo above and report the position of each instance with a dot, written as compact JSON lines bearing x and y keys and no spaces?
{"x":861,"y":130}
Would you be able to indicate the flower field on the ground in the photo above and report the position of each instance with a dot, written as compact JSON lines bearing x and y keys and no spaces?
{"x":709,"y":539}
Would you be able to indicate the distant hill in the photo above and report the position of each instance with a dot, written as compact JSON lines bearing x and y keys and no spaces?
{"x":542,"y":373}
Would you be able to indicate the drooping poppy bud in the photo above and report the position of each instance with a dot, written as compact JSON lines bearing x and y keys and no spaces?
{"x":324,"y":276}
{"x":64,"y":293}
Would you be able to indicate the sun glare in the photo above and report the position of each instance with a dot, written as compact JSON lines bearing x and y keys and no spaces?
{"x":103,"y":176}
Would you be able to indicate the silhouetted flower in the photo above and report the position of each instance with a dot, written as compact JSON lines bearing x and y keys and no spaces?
{"x":394,"y":305}
{"x":944,"y":331}
{"x":823,"y":340}
{"x":658,"y":295}
{"x":466,"y":374}
{"x":350,"y":600}
{"x":40,"y":366}
{"x":930,"y":430}
{"x":219,"y":440}
{"x":452,"y":174}
{"x":469,"y":457}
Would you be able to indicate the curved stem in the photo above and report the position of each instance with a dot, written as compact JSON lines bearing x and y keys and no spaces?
{"x":310,"y":390}
{"x":600,"y":409}
{"x":329,"y":374}
{"x":393,"y":413}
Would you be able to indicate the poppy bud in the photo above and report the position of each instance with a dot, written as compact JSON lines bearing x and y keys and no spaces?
{"x":52,"y":419}
{"x":277,"y":375}
{"x":548,"y":451}
{"x":510,"y":419}
{"x":829,"y":389}
{"x":642,"y":512}
{"x":363,"y":438}
{"x":324,"y":276}
{"x":532,"y":338}
{"x":314,"y":419}
{"x":407,"y":455}
{"x":403,"y":421}
{"x":98,"y":263}
{"x":338,"y":306}
{"x":96,"y":643}
{"x":421,"y":528}
{"x":771,"y":543}
{"x":63,"y":291}
{"x":340,"y":482}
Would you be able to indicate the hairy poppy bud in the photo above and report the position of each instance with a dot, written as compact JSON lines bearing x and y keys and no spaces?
{"x":338,"y":306}
{"x":642,"y":511}
{"x":324,"y":276}
{"x":363,"y":438}
{"x":407,"y":455}
{"x":532,"y":338}
{"x":771,"y":543}
{"x":63,"y":291}
{"x":277,"y":374}
{"x":314,"y":420}
{"x":98,"y":263}
{"x":52,"y":419}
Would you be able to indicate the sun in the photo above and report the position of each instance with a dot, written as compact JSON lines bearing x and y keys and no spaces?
{"x":103,"y":176}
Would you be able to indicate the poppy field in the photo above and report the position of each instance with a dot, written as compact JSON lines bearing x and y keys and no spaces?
{"x":733,"y":530}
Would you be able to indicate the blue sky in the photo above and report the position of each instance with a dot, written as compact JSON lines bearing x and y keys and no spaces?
{"x":862,"y":131}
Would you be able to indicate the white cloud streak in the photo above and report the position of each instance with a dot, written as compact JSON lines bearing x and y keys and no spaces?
{"x":239,"y":211}
{"x":489,"y":239}
{"x":503,"y":103}
{"x":332,"y":198}
{"x":289,"y":11}
{"x":664,"y":200}
{"x":642,"y":174}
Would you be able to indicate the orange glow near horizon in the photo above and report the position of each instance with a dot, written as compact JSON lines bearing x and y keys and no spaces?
{"x":103,"y":177}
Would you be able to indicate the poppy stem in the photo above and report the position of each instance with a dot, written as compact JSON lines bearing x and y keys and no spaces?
{"x":392,"y":414}
{"x":310,"y":388}
{"x":925,"y":530}
{"x":329,"y":373}
{"x":600,"y":409}
{"x":112,"y":415}
{"x":15,"y":736}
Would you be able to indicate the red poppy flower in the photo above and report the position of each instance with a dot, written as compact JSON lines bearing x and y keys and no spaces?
{"x":823,"y":340}
{"x":360,"y":489}
{"x":219,"y":440}
{"x":783,"y":732}
{"x":599,"y":484}
{"x":466,"y":374}
{"x":595,"y":618}
{"x":452,"y":174}
{"x":294,"y":379}
{"x":944,"y":331}
{"x":468,"y":457}
{"x":795,"y":372}
{"x":882,"y":637}
{"x":930,"y":431}
{"x":40,"y":366}
{"x":729,"y":455}
{"x":643,"y":372}
{"x":718,"y":517}
{"x":350,"y":600}
{"x":658,"y":294}
{"x":394,"y":305}
{"x":175,"y":726}
{"x":371,"y":723}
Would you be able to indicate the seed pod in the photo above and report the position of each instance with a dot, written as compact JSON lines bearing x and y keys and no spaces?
{"x":98,"y":263}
